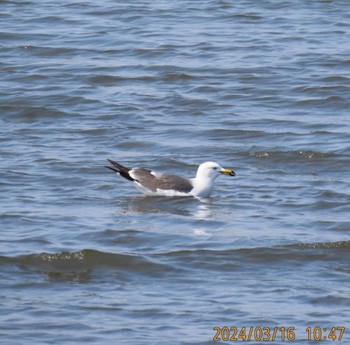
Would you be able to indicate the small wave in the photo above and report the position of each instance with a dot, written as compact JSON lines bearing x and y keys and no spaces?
{"x":79,"y":265}
{"x":341,"y":245}
{"x":297,"y":155}
{"x":31,"y":113}
{"x":232,"y":259}
{"x":104,"y":79}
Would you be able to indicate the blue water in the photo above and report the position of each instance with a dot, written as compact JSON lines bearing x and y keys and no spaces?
{"x":260,"y":87}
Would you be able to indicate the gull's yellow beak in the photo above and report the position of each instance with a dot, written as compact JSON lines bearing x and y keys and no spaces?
{"x":228,"y":172}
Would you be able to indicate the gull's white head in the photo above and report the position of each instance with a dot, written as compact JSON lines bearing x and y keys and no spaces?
{"x":206,"y":174}
{"x":211,"y":170}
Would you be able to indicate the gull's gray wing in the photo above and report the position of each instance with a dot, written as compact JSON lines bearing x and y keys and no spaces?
{"x":154,"y":181}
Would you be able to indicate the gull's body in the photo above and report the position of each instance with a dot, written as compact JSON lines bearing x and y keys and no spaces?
{"x":150,"y":182}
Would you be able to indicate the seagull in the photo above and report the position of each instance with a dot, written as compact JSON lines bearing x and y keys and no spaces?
{"x":153,"y":183}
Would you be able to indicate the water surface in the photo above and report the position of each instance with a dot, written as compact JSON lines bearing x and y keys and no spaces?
{"x":260,"y":87}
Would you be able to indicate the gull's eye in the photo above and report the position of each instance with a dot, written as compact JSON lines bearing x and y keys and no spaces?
{"x":214,"y":168}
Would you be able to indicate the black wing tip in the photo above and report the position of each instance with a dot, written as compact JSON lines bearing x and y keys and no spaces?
{"x":110,"y":168}
{"x":114,"y":167}
{"x":111,"y":161}
{"x":119,"y":169}
{"x":118,"y":165}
